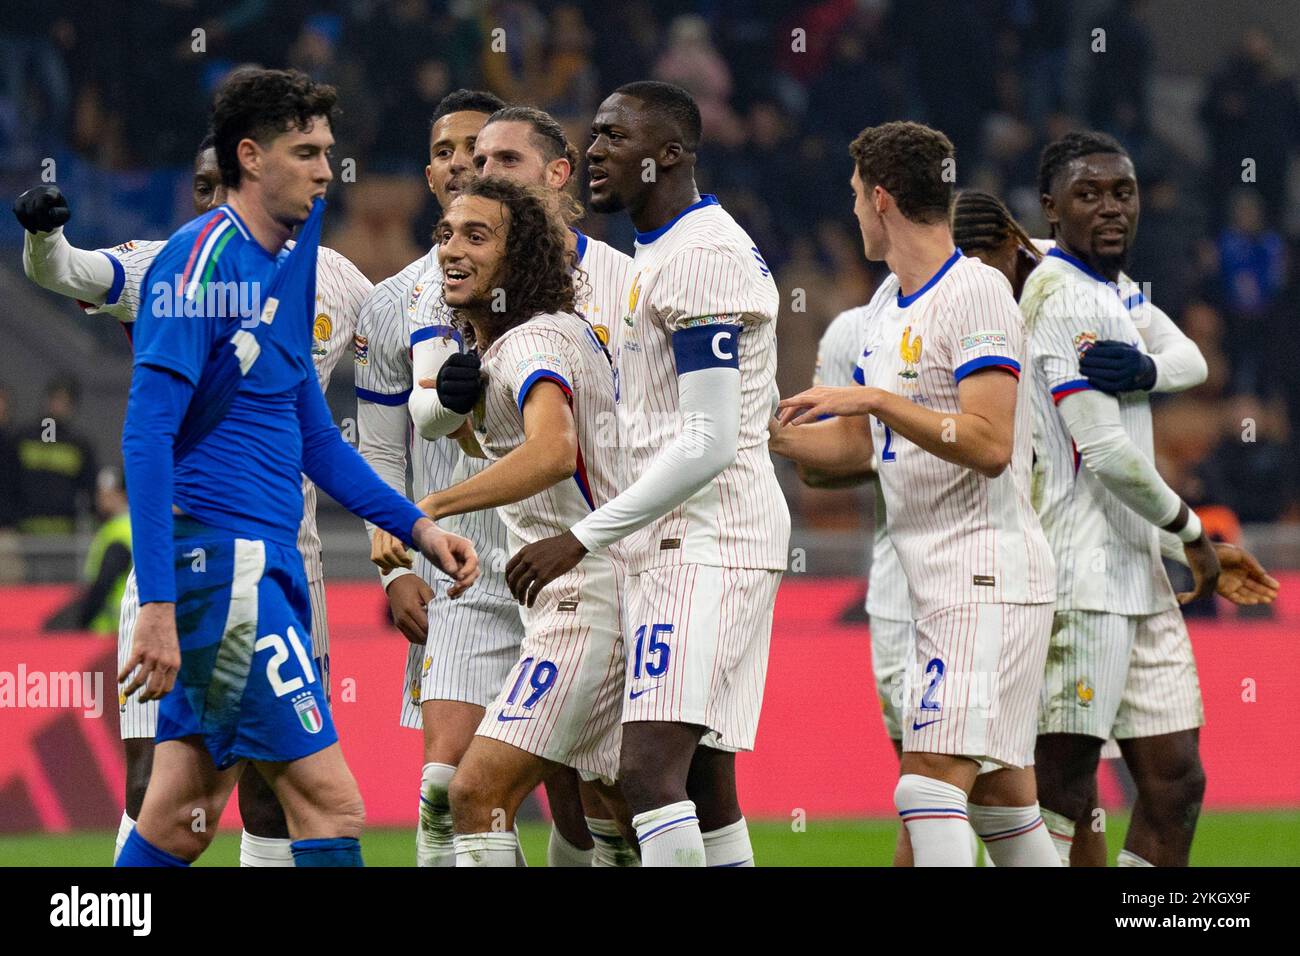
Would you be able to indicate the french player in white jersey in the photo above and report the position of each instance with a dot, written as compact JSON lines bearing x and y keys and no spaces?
{"x":950,"y":428}
{"x":702,"y":520}
{"x":888,"y":605}
{"x":461,"y":652}
{"x":528,"y":146}
{"x":109,"y":281}
{"x":541,"y":420}
{"x":983,"y":227}
{"x":1122,"y":662}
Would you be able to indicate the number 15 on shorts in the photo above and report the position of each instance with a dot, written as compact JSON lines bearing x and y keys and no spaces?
{"x":650,"y":652}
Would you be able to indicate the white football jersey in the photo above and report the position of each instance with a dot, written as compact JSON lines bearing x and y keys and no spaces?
{"x":962,"y":538}
{"x":602,"y":285}
{"x":427,"y":315}
{"x":563,"y":349}
{"x":837,"y":367}
{"x":1107,"y":556}
{"x":701,"y":269}
{"x":130,"y":260}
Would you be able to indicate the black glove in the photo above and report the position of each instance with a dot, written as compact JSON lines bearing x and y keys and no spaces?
{"x":42,"y":209}
{"x":1117,"y":367}
{"x":460,"y":382}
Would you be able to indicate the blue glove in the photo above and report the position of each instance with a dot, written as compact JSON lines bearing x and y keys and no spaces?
{"x":1114,"y":367}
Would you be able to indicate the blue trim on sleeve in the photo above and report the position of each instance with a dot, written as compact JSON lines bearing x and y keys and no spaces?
{"x":119,"y":280}
{"x":707,"y":346}
{"x":859,"y":376}
{"x":1134,"y":300}
{"x":986,"y":361}
{"x":433,"y":331}
{"x":379,"y":398}
{"x":542,"y":374}
{"x":645,"y":238}
{"x":905,"y":300}
{"x":1069,"y":388}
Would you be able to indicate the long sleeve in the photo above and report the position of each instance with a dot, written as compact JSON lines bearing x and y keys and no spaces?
{"x":432,"y":420}
{"x":1179,"y":363}
{"x":154,"y":409}
{"x":709,"y":399}
{"x":337,"y":468}
{"x":381,"y":440}
{"x":1093,"y":421}
{"x":55,"y":264}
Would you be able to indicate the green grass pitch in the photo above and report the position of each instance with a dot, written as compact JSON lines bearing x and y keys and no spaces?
{"x":1222,"y":839}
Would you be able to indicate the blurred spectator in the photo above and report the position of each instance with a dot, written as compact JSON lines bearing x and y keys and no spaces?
{"x":693,"y":63}
{"x":1251,"y":112}
{"x":1252,"y":270}
{"x":1119,"y":87}
{"x":97,"y":605}
{"x":35,"y":89}
{"x":56,"y":465}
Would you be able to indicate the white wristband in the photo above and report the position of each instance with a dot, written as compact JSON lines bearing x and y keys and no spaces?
{"x":1192,"y":530}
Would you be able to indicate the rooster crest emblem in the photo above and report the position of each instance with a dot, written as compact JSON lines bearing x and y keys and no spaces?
{"x":909,"y":350}
{"x":1083,"y":691}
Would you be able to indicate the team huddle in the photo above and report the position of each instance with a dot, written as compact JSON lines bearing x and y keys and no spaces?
{"x":598,"y":529}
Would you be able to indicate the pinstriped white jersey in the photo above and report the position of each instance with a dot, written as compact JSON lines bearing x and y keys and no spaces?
{"x":962,"y":538}
{"x":562,"y":349}
{"x":131,"y":260}
{"x":426,"y":314}
{"x":837,"y":367}
{"x":602,"y":287}
{"x":1108,"y":557}
{"x":340,"y":291}
{"x":699,"y":269}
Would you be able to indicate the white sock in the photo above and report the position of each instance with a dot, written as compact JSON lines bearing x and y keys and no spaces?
{"x":670,"y":835}
{"x":729,"y":845}
{"x":433,"y":843}
{"x":264,"y":851}
{"x":486,"y":849}
{"x":1062,"y":831}
{"x":611,"y":848}
{"x":935,"y":815}
{"x":123,"y":831}
{"x":1014,"y":836}
{"x":560,"y":852}
{"x":1126,"y":858}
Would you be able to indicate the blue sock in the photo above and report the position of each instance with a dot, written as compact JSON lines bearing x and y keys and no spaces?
{"x":334,"y":851}
{"x":137,"y":851}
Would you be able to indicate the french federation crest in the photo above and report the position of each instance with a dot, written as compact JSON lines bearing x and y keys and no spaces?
{"x":632,"y":298}
{"x":308,"y":712}
{"x":909,"y":350}
{"x":321,"y":331}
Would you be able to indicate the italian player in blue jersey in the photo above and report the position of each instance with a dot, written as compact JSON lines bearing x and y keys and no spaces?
{"x":224,"y":414}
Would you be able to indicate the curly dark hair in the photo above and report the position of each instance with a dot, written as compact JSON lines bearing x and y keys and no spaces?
{"x":909,"y":161}
{"x":1061,"y":152}
{"x":261,"y":104}
{"x":537,"y":271}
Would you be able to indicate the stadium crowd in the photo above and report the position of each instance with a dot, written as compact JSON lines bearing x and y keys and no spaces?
{"x":782,"y":87}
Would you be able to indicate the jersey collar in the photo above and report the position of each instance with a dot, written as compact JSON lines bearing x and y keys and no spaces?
{"x":905,"y":300}
{"x":582,"y":243}
{"x":645,"y":238}
{"x":1078,"y":264}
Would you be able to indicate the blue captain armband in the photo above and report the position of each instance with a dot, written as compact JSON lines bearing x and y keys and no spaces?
{"x":707,"y":346}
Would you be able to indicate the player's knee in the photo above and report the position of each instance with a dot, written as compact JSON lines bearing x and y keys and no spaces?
{"x":471,"y":795}
{"x":1178,"y":788}
{"x":350,"y":818}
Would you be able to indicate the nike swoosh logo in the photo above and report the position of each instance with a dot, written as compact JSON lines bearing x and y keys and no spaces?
{"x":637,"y":693}
{"x":916,"y":726}
{"x":504,"y":717}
